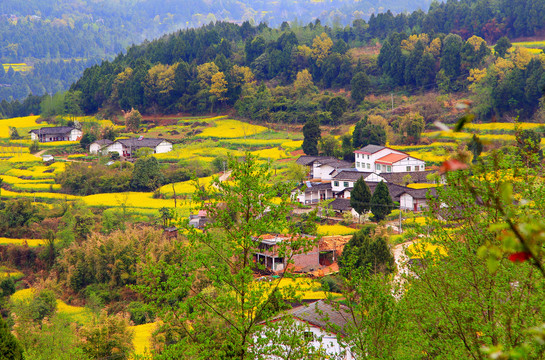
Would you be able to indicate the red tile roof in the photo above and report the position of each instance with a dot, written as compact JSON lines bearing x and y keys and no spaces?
{"x":391,"y":158}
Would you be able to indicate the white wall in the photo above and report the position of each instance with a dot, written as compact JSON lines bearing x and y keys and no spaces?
{"x":321,"y":340}
{"x":94,"y":148}
{"x":364,"y":160}
{"x":115,"y":147}
{"x":163,"y":147}
{"x":75,"y":135}
{"x":406,"y":202}
{"x":415,"y":164}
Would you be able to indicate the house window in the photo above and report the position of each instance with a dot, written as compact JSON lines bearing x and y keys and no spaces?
{"x":369,"y":166}
{"x":336,"y":183}
{"x":408,"y":168}
{"x":422,"y":166}
{"x":367,"y":157}
{"x":345,"y":184}
{"x":357,"y":164}
{"x":388,"y":168}
{"x":378,"y":166}
{"x":416,"y":168}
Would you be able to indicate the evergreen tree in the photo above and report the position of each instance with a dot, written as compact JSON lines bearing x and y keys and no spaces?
{"x":367,"y":254}
{"x":381,"y":202}
{"x":311,"y":134}
{"x":360,"y":197}
{"x":359,"y":86}
{"x":373,"y":134}
{"x":10,"y":349}
{"x":502,"y":46}
{"x":356,"y":135}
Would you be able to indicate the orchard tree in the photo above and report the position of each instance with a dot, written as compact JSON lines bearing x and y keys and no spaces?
{"x":381,"y":202}
{"x":311,"y":136}
{"x":360,"y":197}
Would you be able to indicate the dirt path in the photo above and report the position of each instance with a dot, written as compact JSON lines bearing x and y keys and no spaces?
{"x":401,"y":260}
{"x":40,"y":153}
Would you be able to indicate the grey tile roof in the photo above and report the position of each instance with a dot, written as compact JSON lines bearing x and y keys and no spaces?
{"x":308,"y":160}
{"x":323,"y":315}
{"x":421,"y":193}
{"x":372,"y":148}
{"x":351,"y":175}
{"x":340,"y":204}
{"x":145,"y":142}
{"x":395,"y":190}
{"x":336,"y":163}
{"x":53,"y":130}
{"x":318,"y":186}
{"x":103,"y":142}
{"x":416,"y":177}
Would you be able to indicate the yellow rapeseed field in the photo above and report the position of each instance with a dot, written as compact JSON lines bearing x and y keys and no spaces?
{"x":17,"y":67}
{"x":272,"y":154}
{"x":496,"y":126}
{"x":39,"y":195}
{"x":36,"y":187}
{"x":24,"y":158}
{"x":29,"y":242}
{"x":19,"y":122}
{"x":292,"y":145}
{"x":142,"y":337}
{"x":421,"y":186}
{"x":130,"y":199}
{"x":184,"y":187}
{"x":22,"y":295}
{"x":326,"y":230}
{"x":231,"y":129}
{"x":79,"y":314}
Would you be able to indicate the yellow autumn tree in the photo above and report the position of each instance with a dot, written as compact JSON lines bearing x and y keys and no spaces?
{"x":303,"y":82}
{"x":409,"y":43}
{"x":205,"y":72}
{"x":119,"y":81}
{"x":242,"y":76}
{"x":476,"y":42}
{"x":435,"y":47}
{"x":160,"y":78}
{"x":321,"y":47}
{"x":521,"y":57}
{"x":218,"y":85}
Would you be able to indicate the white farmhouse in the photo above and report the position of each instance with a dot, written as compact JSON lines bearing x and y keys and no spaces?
{"x":320,"y":323}
{"x":128,"y":147}
{"x":381,"y":159}
{"x":99,"y":145}
{"x":56,"y":133}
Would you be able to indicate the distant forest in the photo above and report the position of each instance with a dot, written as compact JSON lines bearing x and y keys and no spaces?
{"x":227,"y":65}
{"x":49,"y":34}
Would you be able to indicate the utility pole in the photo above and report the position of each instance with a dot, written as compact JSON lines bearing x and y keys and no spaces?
{"x":400,"y":229}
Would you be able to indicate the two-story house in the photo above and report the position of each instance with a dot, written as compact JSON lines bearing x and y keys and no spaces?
{"x":381,"y":159}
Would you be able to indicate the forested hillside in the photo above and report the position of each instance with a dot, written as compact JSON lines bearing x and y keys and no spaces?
{"x":217,"y":66}
{"x":57,"y":39}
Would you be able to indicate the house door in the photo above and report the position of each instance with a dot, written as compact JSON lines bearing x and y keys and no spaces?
{"x":415,"y":206}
